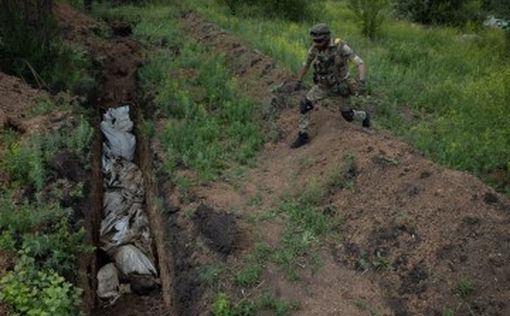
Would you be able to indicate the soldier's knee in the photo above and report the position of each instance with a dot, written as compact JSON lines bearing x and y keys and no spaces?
{"x":305,"y":106}
{"x":348,"y":115}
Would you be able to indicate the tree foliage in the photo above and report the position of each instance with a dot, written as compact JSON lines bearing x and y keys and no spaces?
{"x":370,"y":14}
{"x":294,"y":10}
{"x":448,"y":12}
{"x":26,"y":32}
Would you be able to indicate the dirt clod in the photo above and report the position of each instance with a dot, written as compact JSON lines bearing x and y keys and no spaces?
{"x":67,"y":165}
{"x":218,"y":227}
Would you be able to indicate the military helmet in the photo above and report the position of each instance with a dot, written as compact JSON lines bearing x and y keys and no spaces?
{"x":320,"y":32}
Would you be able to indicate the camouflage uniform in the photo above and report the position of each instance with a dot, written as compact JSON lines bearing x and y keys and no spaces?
{"x":331,"y":77}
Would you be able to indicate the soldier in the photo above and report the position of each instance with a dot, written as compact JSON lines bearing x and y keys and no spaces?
{"x":331,"y":73}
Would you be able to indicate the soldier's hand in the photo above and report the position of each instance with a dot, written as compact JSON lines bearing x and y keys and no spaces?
{"x":361,"y":87}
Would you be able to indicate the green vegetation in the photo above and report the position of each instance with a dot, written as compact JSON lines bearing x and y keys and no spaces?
{"x":370,"y":15}
{"x":31,"y":291}
{"x":456,"y":12}
{"x":454,"y":85}
{"x":35,"y":52}
{"x":266,"y":302}
{"x":250,"y":274}
{"x":343,"y":177}
{"x":26,"y":161}
{"x":294,"y":10}
{"x":33,"y":224}
{"x":209,"y":124}
{"x":465,"y":287}
{"x":447,"y":312}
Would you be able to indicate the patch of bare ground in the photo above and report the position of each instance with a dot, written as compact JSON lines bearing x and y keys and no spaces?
{"x":413,"y":229}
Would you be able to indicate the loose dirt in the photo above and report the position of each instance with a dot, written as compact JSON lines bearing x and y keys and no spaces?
{"x":425,"y":227}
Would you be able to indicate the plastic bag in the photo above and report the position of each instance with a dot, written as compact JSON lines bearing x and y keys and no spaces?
{"x":108,"y":283}
{"x":130,"y":259}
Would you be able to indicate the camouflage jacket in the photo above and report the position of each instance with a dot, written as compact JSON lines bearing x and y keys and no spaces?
{"x":331,"y":64}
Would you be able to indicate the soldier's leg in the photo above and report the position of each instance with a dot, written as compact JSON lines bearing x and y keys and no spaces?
{"x":350,"y":114}
{"x":306,"y":105}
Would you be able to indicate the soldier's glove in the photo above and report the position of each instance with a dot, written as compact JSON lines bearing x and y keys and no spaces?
{"x":299,"y":85}
{"x":361,"y":87}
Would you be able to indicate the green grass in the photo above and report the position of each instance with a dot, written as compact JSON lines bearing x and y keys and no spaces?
{"x":209,"y":125}
{"x":33,"y":225}
{"x":26,"y":161}
{"x":465,"y":287}
{"x":222,"y":306}
{"x":455,"y":86}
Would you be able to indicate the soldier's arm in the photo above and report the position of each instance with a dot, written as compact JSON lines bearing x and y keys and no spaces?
{"x":310,"y":56}
{"x":355,"y":59}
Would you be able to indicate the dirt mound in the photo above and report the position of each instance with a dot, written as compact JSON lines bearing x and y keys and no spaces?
{"x":414,"y":231}
{"x":219,"y":228}
{"x":16,"y":101}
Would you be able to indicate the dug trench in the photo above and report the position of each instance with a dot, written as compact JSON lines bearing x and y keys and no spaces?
{"x":413,"y":230}
{"x":117,"y":59}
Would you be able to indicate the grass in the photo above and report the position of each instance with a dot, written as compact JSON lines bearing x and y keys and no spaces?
{"x":25,"y":161}
{"x":209,"y":125}
{"x":222,"y":306}
{"x":34,"y":227}
{"x":344,"y":176}
{"x":456,"y":92}
{"x":465,"y":287}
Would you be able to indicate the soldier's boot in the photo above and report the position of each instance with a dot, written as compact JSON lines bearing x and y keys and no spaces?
{"x":366,"y":121}
{"x":302,"y":139}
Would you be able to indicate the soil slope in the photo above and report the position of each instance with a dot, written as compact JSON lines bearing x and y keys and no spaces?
{"x":433,"y":226}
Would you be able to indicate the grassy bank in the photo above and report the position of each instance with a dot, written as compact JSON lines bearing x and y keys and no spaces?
{"x":454,"y":86}
{"x":40,"y":230}
{"x":208,"y":124}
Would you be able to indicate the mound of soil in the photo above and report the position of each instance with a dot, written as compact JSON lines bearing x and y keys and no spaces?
{"x":414,"y":230}
{"x":218,"y":227}
{"x":16,"y":100}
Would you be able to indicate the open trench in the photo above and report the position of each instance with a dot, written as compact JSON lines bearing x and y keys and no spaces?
{"x":117,"y":88}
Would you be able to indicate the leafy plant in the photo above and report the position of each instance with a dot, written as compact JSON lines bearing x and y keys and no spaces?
{"x":371,"y":15}
{"x":465,"y":287}
{"x":30,"y":291}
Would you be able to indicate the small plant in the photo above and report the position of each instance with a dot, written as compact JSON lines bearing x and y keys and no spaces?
{"x":30,"y":291}
{"x":465,"y":287}
{"x":43,"y":106}
{"x":211,"y":274}
{"x":255,"y":264}
{"x":343,"y":177}
{"x":222,"y":306}
{"x":447,"y":312}
{"x":249,"y":276}
{"x":279,"y":307}
{"x":370,"y":14}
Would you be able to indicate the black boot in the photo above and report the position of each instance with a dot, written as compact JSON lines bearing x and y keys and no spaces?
{"x":366,"y":121}
{"x":301,"y":140}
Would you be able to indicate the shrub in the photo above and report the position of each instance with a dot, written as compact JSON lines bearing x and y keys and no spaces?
{"x":370,"y":15}
{"x":449,"y":12}
{"x":294,"y":10}
{"x":30,"y":291}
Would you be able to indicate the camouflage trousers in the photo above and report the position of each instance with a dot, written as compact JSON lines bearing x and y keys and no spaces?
{"x":319,"y":92}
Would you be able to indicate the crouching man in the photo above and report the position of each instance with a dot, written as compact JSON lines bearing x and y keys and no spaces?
{"x":330,"y":59}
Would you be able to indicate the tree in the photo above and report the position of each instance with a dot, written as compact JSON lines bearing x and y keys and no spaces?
{"x":370,"y":14}
{"x":449,"y":12}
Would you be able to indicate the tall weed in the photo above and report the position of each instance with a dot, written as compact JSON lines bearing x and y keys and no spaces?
{"x":455,"y":91}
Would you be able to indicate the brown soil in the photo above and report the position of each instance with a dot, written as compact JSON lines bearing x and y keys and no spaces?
{"x":430,"y":226}
{"x":219,"y":228}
